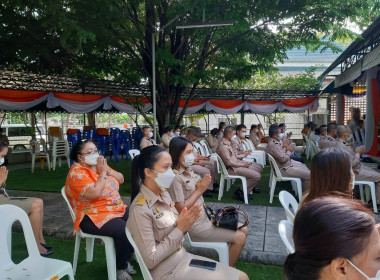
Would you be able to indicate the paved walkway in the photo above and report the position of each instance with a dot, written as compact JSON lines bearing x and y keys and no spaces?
{"x":263,"y":244}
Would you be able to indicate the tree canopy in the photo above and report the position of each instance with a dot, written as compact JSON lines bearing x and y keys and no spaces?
{"x":112,"y":39}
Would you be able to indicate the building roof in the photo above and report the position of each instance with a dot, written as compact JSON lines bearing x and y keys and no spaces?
{"x":56,"y":83}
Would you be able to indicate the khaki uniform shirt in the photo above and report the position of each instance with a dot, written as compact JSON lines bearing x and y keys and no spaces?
{"x":146,"y":142}
{"x":327,"y":142}
{"x":212,"y":142}
{"x":254,"y":138}
{"x":279,"y":153}
{"x":237,"y":146}
{"x":152,"y":223}
{"x":354,"y":157}
{"x":227,"y":153}
{"x":166,"y":140}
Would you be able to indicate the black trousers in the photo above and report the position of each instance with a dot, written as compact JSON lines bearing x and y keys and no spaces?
{"x":297,"y":158}
{"x":114,"y":228}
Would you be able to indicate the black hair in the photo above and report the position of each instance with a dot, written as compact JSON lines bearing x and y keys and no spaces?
{"x":193,"y":131}
{"x":176,"y":147}
{"x":221,"y":124}
{"x":146,"y":159}
{"x":309,"y":124}
{"x":228,"y":130}
{"x":273,"y":130}
{"x":317,"y":131}
{"x":253,"y":126}
{"x":281,"y":125}
{"x":325,"y":229}
{"x":240,"y":127}
{"x":76,"y":149}
{"x":331,"y":126}
{"x":167,"y":129}
{"x":214,"y":131}
{"x":177,"y":127}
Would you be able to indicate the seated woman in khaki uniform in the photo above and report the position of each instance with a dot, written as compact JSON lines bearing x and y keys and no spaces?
{"x":186,"y":191}
{"x":156,"y":227}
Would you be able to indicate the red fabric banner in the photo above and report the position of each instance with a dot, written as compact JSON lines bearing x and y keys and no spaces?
{"x":16,"y":95}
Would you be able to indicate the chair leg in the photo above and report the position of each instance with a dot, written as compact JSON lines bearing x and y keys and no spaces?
{"x":221,"y":186}
{"x":373,"y":195}
{"x":89,"y":249}
{"x":272,"y":187}
{"x":223,"y":255}
{"x":245,"y":191}
{"x":48,"y":162}
{"x":299,"y":190}
{"x":33,"y":163}
{"x":76,"y":252}
{"x":361,"y":192}
{"x":228,"y":184}
{"x":111,"y":258}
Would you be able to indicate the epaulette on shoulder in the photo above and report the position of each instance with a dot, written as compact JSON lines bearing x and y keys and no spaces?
{"x":140,"y":200}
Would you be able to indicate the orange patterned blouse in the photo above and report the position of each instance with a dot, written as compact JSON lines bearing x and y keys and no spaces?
{"x":100,"y":210}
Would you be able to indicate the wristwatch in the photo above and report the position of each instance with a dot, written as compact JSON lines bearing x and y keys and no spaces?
{"x":104,"y":177}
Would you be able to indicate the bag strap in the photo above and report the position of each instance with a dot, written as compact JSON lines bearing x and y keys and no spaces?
{"x":245,"y":215}
{"x":209,"y":212}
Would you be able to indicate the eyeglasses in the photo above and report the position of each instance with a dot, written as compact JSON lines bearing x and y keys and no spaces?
{"x":91,"y":153}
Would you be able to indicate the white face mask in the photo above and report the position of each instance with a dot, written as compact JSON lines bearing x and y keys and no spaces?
{"x":281,"y":136}
{"x":2,"y":161}
{"x":165,"y":179}
{"x":91,"y":159}
{"x":377,"y":277}
{"x":242,"y":135}
{"x":233,"y":138}
{"x":189,"y":160}
{"x":178,"y":133}
{"x":150,"y":134}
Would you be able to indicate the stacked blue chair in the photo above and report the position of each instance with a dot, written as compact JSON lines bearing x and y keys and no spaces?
{"x":125,"y":143}
{"x":116,"y":140}
{"x":89,"y":133}
{"x":73,"y":136}
{"x":106,"y":144}
{"x":136,"y":137}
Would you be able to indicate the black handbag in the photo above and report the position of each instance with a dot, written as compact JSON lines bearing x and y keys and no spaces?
{"x":227,"y":217}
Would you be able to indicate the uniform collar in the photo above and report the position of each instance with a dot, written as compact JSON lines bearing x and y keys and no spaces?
{"x":274,"y":140}
{"x":330,"y":137}
{"x":151,"y":197}
{"x":344,"y":142}
{"x":226,"y":141}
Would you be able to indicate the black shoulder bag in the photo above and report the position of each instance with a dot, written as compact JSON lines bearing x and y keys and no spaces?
{"x":227,"y":217}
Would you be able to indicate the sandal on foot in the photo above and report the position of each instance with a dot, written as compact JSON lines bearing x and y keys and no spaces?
{"x":130,"y":269}
{"x":122,"y":274}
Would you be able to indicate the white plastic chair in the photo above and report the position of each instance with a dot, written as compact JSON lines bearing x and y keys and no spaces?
{"x":133,"y":153}
{"x":287,"y":200}
{"x":255,"y":151}
{"x":252,"y":156}
{"x":225,"y":176}
{"x":34,"y":266}
{"x":309,"y":148}
{"x":108,"y":243}
{"x":220,"y":247}
{"x":144,"y":269}
{"x":372,"y":192}
{"x":275,"y":176}
{"x":200,"y":149}
{"x":208,"y":152}
{"x":59,"y":148}
{"x":285,"y":229}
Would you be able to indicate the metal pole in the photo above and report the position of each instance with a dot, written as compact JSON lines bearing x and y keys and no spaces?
{"x":154,"y":85}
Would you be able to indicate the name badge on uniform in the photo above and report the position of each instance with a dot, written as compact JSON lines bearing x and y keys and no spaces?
{"x":159,"y":215}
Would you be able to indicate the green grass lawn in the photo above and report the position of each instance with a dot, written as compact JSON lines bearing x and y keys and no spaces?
{"x":42,"y":180}
{"x":97,"y":269}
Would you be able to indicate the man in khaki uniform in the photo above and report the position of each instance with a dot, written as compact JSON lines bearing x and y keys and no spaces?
{"x":204,"y":165}
{"x":147,"y":140}
{"x":237,"y":145}
{"x":256,"y":138}
{"x":328,"y":141}
{"x":362,"y":173}
{"x":287,"y":166}
{"x":234,"y":165}
{"x":166,"y":137}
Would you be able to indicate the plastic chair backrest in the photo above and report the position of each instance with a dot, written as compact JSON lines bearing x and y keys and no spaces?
{"x":245,"y":146}
{"x":274,"y":166}
{"x":223,"y":166}
{"x":8,"y":215}
{"x":288,"y":200}
{"x":35,"y":146}
{"x":205,"y":147}
{"x":250,"y":144}
{"x":143,"y":267}
{"x":63,"y":192}
{"x":199,"y":148}
{"x":115,"y":133}
{"x":126,"y":135}
{"x":133,"y":153}
{"x":285,"y":229}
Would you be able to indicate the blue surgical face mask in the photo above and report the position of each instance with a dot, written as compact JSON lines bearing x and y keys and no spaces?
{"x":377,"y":277}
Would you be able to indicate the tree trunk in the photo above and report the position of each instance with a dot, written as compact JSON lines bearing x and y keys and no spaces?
{"x":91,"y":119}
